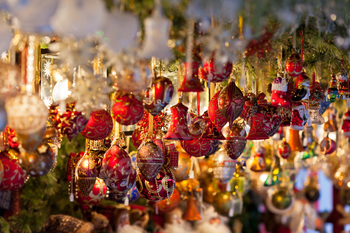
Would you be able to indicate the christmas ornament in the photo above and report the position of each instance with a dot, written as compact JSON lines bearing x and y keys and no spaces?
{"x":314,"y":113}
{"x":346,"y":124}
{"x":286,"y":116}
{"x":209,"y":191}
{"x":157,"y":29}
{"x":120,"y":190}
{"x":26,"y":114}
{"x":279,"y":200}
{"x":279,"y":97}
{"x":116,"y":166}
{"x":118,"y":21}
{"x":223,"y":166}
{"x":258,"y":164}
{"x":210,"y":131}
{"x":10,"y":78}
{"x":96,"y":195}
{"x":72,"y":122}
{"x":235,"y":141}
{"x":178,"y":126}
{"x":78,"y":19}
{"x":192,"y":213}
{"x":214,"y":147}
{"x":332,"y":91}
{"x":272,"y":119}
{"x":284,"y":149}
{"x":223,"y":203}
{"x":211,"y":73}
{"x":159,"y":189}
{"x":99,"y":126}
{"x":294,"y":65}
{"x":295,"y":141}
{"x":97,"y":156}
{"x":312,"y":191}
{"x":167,"y":206}
{"x":127,"y":109}
{"x":158,"y":95}
{"x":86,"y":174}
{"x":257,"y":131}
{"x":196,"y":147}
{"x":215,"y":114}
{"x":39,"y":162}
{"x":191,"y":81}
{"x":184,"y":167}
{"x":299,"y":118}
{"x":30,"y":142}
{"x":302,"y":92}
{"x":343,"y":84}
{"x":14,"y":177}
{"x":231,"y":102}
{"x":327,"y":146}
{"x":150,"y":160}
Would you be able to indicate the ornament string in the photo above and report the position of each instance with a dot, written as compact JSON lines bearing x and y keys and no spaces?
{"x":198,"y":103}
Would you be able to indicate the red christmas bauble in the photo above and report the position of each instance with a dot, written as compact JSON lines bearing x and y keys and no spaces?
{"x":72,"y":122}
{"x":284,"y":150}
{"x":272,"y":119}
{"x":211,"y":132}
{"x":294,"y":65}
{"x":99,"y":126}
{"x":14,"y":177}
{"x":196,"y":147}
{"x":116,"y":166}
{"x":149,"y":160}
{"x":211,"y":73}
{"x":118,"y":192}
{"x":96,"y":195}
{"x":159,"y":189}
{"x":159,"y":95}
{"x":215,"y":114}
{"x":127,"y":110}
{"x":166,"y":205}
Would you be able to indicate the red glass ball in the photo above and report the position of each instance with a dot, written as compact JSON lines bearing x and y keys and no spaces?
{"x":99,"y":126}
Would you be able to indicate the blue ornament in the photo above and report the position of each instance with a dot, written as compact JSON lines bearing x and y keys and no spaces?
{"x":214,"y":146}
{"x":324,"y":106}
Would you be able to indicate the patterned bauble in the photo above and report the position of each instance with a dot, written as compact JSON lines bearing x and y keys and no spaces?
{"x":223,"y":166}
{"x":294,"y":65}
{"x":272,"y":119}
{"x":99,"y":126}
{"x":116,"y":166}
{"x":72,"y":162}
{"x":39,"y":162}
{"x":14,"y":177}
{"x":150,"y":160}
{"x":284,"y":149}
{"x":86,"y":172}
{"x":211,"y":73}
{"x":211,"y":132}
{"x":167,"y":206}
{"x":30,"y":142}
{"x":223,"y":203}
{"x":96,"y":195}
{"x":235,"y":141}
{"x":127,"y":109}
{"x":181,"y":173}
{"x":123,"y":187}
{"x":214,"y":147}
{"x":178,"y":129}
{"x":132,"y":195}
{"x":72,"y":122}
{"x":1,"y":171}
{"x":231,"y":102}
{"x":191,"y":81}
{"x":158,"y":95}
{"x":159,"y":189}
{"x":196,"y":147}
{"x":215,"y":114}
{"x":97,"y":156}
{"x":26,"y":114}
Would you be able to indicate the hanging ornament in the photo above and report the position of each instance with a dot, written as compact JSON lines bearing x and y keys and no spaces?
{"x":214,"y":147}
{"x":294,"y":65}
{"x":86,"y":174}
{"x":116,"y":166}
{"x":96,"y":195}
{"x":158,"y":95}
{"x":295,"y":141}
{"x":181,"y":173}
{"x":178,"y":126}
{"x":192,"y":213}
{"x":196,"y":147}
{"x":210,"y":132}
{"x":332,"y":91}
{"x":235,"y":141}
{"x":315,"y":116}
{"x":327,"y":146}
{"x":30,"y":142}
{"x":157,"y":29}
{"x":231,"y":102}
{"x":150,"y":160}
{"x":346,"y":124}
{"x":223,"y":167}
{"x":72,"y":122}
{"x":191,"y":81}
{"x":258,"y":164}
{"x":300,"y":117}
{"x":279,"y":96}
{"x":120,"y":190}
{"x":272,"y":119}
{"x":312,"y":190}
{"x":302,"y":92}
{"x":343,"y":84}
{"x":167,"y":206}
{"x":127,"y":109}
{"x":39,"y":162}
{"x":26,"y":114}
{"x":14,"y":177}
{"x":215,"y":114}
{"x":132,"y":196}
{"x":211,"y":73}
{"x":279,"y":200}
{"x":99,"y":126}
{"x":223,"y":203}
{"x":159,"y":189}
{"x":284,"y":149}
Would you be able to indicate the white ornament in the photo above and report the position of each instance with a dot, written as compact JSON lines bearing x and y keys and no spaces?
{"x":27,"y":114}
{"x":78,"y":18}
